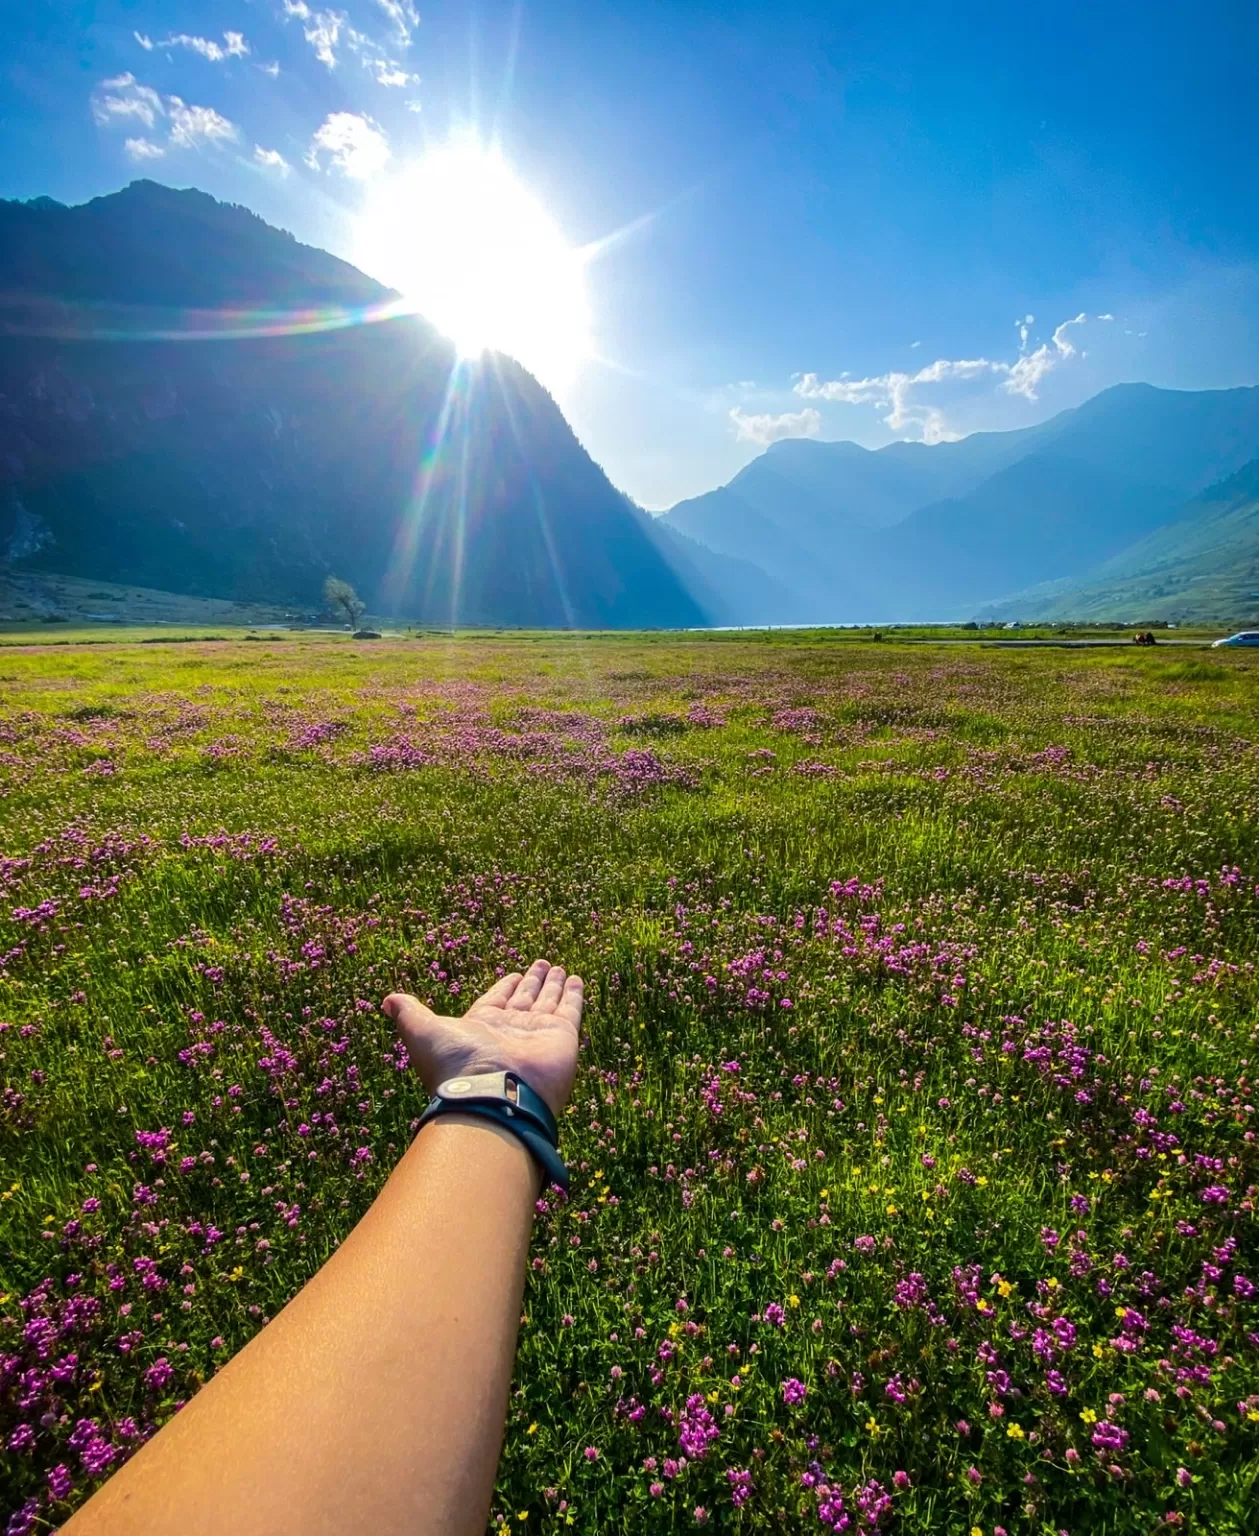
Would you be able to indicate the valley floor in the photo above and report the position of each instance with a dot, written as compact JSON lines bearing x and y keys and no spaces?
{"x":913,"y":1146}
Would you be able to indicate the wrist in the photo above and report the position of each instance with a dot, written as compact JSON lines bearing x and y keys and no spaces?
{"x":504,"y":1099}
{"x":488,"y":1157}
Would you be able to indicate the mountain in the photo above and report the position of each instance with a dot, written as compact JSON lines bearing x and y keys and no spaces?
{"x":1202,"y":567}
{"x":194,"y":401}
{"x":912,"y":531}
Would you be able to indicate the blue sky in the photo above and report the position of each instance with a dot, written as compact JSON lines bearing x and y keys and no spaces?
{"x":836,"y":219}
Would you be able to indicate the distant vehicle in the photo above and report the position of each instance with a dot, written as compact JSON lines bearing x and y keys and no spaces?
{"x":1243,"y":637}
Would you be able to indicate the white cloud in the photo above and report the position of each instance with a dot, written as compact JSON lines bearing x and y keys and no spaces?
{"x":124,"y":97}
{"x":390,"y":74}
{"x":271,"y":160}
{"x":896,"y":392}
{"x":354,"y":145}
{"x":1024,"y":375}
{"x":143,"y":149}
{"x":764,"y":430}
{"x":372,"y":56}
{"x":233,"y":45}
{"x":321,"y":29}
{"x":272,"y":69}
{"x":192,"y":126}
{"x":404,"y":16}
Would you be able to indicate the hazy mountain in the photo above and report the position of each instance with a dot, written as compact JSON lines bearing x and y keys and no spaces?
{"x":1202,"y":567}
{"x":250,"y":467}
{"x":915,"y":532}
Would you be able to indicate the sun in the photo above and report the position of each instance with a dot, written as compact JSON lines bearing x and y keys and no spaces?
{"x":469,"y":244}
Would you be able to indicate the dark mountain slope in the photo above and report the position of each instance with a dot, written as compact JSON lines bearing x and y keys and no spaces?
{"x":155,"y":246}
{"x":250,"y":467}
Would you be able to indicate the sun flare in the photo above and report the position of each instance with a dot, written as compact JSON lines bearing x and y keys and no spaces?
{"x":469,"y":244}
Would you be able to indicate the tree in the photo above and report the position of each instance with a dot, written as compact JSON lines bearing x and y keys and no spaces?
{"x":340,"y":594}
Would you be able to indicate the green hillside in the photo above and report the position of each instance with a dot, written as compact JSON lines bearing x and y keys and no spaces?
{"x":1201,"y":568}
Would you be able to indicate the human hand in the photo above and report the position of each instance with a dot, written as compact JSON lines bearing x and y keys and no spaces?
{"x":526,"y":1024}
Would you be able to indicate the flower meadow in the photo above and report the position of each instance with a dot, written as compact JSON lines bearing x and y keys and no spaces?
{"x":913,"y":1147}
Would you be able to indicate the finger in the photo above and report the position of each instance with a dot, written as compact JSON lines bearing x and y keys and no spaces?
{"x":526,"y":994}
{"x":500,"y":993}
{"x":573,"y":1001}
{"x":552,"y":990}
{"x":414,"y":1022}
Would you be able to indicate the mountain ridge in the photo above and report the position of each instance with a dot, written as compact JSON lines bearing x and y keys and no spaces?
{"x":932,"y":532}
{"x":288,"y":440}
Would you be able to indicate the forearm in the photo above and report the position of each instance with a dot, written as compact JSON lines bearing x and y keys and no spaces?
{"x":376,"y":1400}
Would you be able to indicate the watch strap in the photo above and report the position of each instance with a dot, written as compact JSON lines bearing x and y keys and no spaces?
{"x":505,"y":1099}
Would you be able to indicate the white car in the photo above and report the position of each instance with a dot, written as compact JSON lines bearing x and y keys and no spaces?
{"x":1243,"y":637}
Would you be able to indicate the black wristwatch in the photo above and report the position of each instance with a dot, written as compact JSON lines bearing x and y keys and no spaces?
{"x":507,"y":1100}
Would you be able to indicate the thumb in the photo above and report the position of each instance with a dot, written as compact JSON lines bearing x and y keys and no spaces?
{"x":415,"y":1023}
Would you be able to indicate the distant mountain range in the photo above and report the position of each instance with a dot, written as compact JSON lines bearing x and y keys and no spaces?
{"x":193,"y":401}
{"x":916,"y":532}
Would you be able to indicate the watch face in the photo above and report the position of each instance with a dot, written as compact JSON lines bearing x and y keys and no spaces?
{"x":457,"y":1085}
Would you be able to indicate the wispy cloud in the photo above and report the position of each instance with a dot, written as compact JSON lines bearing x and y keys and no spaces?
{"x":353,"y":145}
{"x":405,"y":19}
{"x":321,"y":29}
{"x":372,"y":56}
{"x":271,"y":160}
{"x":123,"y":99}
{"x":897,"y":392}
{"x":233,"y":45}
{"x":764,"y":430}
{"x":143,"y":149}
{"x":192,"y":126}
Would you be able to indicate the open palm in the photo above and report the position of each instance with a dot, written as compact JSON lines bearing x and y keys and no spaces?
{"x":526,"y":1024}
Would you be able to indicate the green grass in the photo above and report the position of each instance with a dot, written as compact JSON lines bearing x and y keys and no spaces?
{"x":923,"y":1008}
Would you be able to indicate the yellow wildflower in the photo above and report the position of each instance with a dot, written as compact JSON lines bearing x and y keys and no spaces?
{"x":1004,"y":1288}
{"x":793,"y":1301}
{"x":1088,"y":1415}
{"x":1014,"y":1431}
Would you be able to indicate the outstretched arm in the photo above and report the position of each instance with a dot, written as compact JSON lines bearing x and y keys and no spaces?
{"x":375,"y":1401}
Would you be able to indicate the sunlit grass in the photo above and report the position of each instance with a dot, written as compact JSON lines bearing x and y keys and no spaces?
{"x":923,"y":1020}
